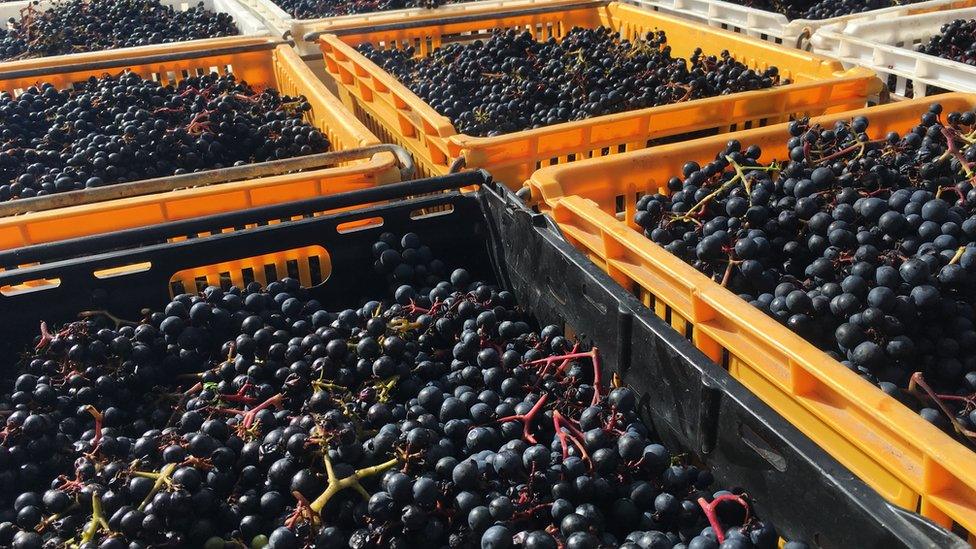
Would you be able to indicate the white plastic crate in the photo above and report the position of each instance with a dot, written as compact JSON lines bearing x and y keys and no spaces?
{"x":775,"y":27}
{"x":889,"y":48}
{"x":246,"y":22}
{"x":286,"y":26}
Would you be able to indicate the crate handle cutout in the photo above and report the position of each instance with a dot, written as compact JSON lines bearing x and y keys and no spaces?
{"x":30,"y":286}
{"x":311,"y":265}
{"x":435,"y":211}
{"x":359,"y":225}
{"x":123,"y":270}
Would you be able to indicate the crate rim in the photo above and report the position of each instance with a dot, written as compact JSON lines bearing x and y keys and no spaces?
{"x":938,"y":447}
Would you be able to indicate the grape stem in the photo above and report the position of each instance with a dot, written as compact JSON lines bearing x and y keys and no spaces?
{"x":352,"y":481}
{"x":953,"y":149}
{"x":918,"y":382}
{"x":115,"y":320}
{"x":250,"y":415}
{"x":574,"y":435}
{"x":710,"y":514}
{"x":527,"y":419}
{"x":97,"y":522}
{"x":303,"y":511}
{"x":198,"y":387}
{"x":240,"y":396}
{"x":46,"y":337}
{"x":164,"y":477}
{"x":99,"y":417}
{"x":594,"y":355}
{"x":958,"y":255}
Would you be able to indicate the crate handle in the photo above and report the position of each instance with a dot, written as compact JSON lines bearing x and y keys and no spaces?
{"x":76,"y":247}
{"x":200,"y":179}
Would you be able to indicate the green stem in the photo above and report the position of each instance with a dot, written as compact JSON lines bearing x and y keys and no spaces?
{"x":162,"y":477}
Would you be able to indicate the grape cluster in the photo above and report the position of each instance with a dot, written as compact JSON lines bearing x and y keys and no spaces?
{"x":311,"y":9}
{"x":823,"y":9}
{"x":125,"y":128}
{"x":865,"y":247}
{"x":956,"y":42}
{"x":74,"y":26}
{"x":257,"y":417}
{"x":512,"y":82}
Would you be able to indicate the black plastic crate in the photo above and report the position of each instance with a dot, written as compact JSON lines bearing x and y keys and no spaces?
{"x":694,"y":405}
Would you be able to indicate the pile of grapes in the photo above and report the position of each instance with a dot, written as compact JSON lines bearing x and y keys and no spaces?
{"x":512,"y":82}
{"x":956,"y":42}
{"x":823,"y":9}
{"x":312,"y":9}
{"x":865,"y":247}
{"x":75,"y":26}
{"x":122,"y":128}
{"x":258,"y":418}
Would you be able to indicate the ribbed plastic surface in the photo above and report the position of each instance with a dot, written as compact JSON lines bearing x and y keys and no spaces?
{"x":888,"y":46}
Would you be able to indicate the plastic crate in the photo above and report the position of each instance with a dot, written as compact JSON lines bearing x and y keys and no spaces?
{"x":259,"y":61}
{"x":694,"y":405}
{"x":775,"y":27}
{"x":397,"y":115}
{"x":246,"y":22}
{"x":907,"y":460}
{"x":283,"y":24}
{"x":889,"y":48}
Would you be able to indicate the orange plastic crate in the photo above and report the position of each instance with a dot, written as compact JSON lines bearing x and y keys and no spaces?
{"x":907,"y":460}
{"x":259,"y":61}
{"x":398,"y":115}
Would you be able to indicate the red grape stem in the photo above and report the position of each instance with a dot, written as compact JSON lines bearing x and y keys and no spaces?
{"x":250,"y":415}
{"x":709,"y":510}
{"x":46,"y":337}
{"x":240,"y":396}
{"x":593,"y":354}
{"x":527,"y":419}
{"x":198,"y":387}
{"x":98,"y":426}
{"x":918,"y":381}
{"x":574,"y":435}
{"x":303,"y":512}
{"x":953,"y":149}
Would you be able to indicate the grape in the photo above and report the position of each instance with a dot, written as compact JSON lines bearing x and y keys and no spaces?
{"x":865,"y":247}
{"x":74,"y":26}
{"x":313,"y":9}
{"x":115,"y":129}
{"x":510,"y":82}
{"x":956,"y":41}
{"x":256,"y":414}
